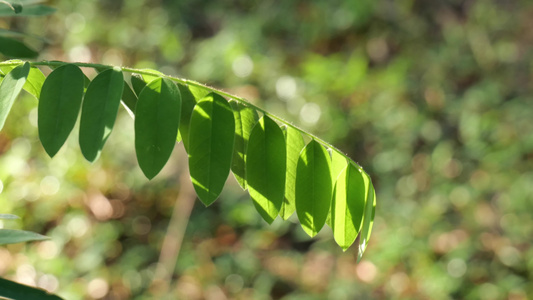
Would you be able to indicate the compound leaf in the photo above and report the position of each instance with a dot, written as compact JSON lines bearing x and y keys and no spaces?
{"x":10,"y":88}
{"x":265,"y":167}
{"x":313,"y":187}
{"x":99,"y":111}
{"x":211,"y":137}
{"x":59,"y":106}
{"x":157,"y":119}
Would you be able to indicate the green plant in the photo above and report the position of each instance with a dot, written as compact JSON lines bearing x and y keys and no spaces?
{"x":282,"y":174}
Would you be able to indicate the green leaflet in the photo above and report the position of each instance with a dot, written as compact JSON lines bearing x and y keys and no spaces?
{"x":16,"y":291}
{"x":338,"y":163}
{"x":8,"y":217}
{"x":348,"y":205}
{"x":15,"y":48}
{"x":34,"y":81}
{"x":295,"y":144}
{"x":59,"y":106}
{"x":313,"y":187}
{"x":245,"y":119}
{"x":11,"y":236}
{"x":265,"y":167}
{"x":137,"y":83}
{"x":157,"y":119}
{"x":149,"y":77}
{"x":198,"y":91}
{"x":99,"y":111}
{"x":129,"y":99}
{"x":188,"y":101}
{"x":32,"y":10}
{"x":368,"y":220}
{"x":211,"y":136}
{"x":10,"y":88}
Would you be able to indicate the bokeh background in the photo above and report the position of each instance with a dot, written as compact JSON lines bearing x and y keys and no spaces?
{"x":433,"y":98}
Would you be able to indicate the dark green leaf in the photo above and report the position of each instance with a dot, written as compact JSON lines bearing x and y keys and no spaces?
{"x":15,"y":48}
{"x":137,"y":83}
{"x":368,"y":219}
{"x":99,"y":111}
{"x":33,"y":10}
{"x":211,"y":137}
{"x":265,"y":167}
{"x":188,"y":101}
{"x":11,"y":236}
{"x":348,"y":205}
{"x":313,"y":187}
{"x":10,"y":88}
{"x":129,"y":99}
{"x":157,"y":119}
{"x":17,"y":291}
{"x":295,"y":144}
{"x":59,"y":106}
{"x":245,"y":119}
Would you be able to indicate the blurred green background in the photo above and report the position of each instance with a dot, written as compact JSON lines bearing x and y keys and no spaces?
{"x":432,"y":98}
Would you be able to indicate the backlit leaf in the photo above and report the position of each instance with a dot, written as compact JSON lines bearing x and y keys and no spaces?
{"x":137,"y":83}
{"x":211,"y":136}
{"x":59,"y":106}
{"x":265,"y":167}
{"x":35,"y":82}
{"x":245,"y":119}
{"x":188,"y":101}
{"x":348,"y":205}
{"x":295,"y":144}
{"x":338,"y":163}
{"x":157,"y":117}
{"x":313,"y":187}
{"x":99,"y":111}
{"x":129,"y":99}
{"x":10,"y":88}
{"x":368,"y":220}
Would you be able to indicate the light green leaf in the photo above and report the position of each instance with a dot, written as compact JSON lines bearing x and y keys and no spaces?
{"x":17,"y":291}
{"x":368,"y":219}
{"x":34,"y":83}
{"x":15,"y":48}
{"x":149,"y":77}
{"x":11,"y":236}
{"x":157,"y":119}
{"x":265,"y":167}
{"x":245,"y":119}
{"x":295,"y":144}
{"x":198,"y":91}
{"x":313,"y":187}
{"x":59,"y":106}
{"x":10,"y":88}
{"x":8,"y":217}
{"x":188,"y":101}
{"x":348,"y":205}
{"x":99,"y":111}
{"x":338,"y":163}
{"x":211,"y":137}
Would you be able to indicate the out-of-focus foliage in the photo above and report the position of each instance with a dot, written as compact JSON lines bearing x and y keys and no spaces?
{"x":432,"y":97}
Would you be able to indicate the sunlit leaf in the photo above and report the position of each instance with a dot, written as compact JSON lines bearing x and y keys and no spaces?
{"x":368,"y":220}
{"x":348,"y":205}
{"x":59,"y":106}
{"x":245,"y":119}
{"x":157,"y":117}
{"x":338,"y":164}
{"x":295,"y":144}
{"x":8,"y":217}
{"x":149,"y":77}
{"x":99,"y":111}
{"x":17,"y":291}
{"x":211,"y":137}
{"x":265,"y":167}
{"x":11,"y":236}
{"x":313,"y":187}
{"x":188,"y":101}
{"x":10,"y":88}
